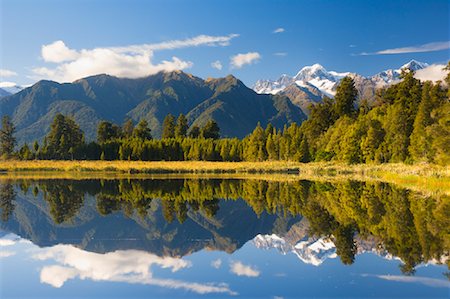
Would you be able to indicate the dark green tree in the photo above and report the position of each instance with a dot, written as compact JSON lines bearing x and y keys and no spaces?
{"x":211,"y":130}
{"x":107,"y":131}
{"x":64,"y":138}
{"x":181,"y":126}
{"x":194,"y":132}
{"x":127,"y":128}
{"x":7,"y":139}
{"x":168,"y":128}
{"x":345,"y":98}
{"x":142,"y":131}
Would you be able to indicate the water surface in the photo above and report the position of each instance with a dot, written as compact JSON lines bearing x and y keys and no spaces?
{"x":146,"y":238}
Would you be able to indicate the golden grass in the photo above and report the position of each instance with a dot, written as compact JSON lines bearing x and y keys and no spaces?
{"x":419,"y":177}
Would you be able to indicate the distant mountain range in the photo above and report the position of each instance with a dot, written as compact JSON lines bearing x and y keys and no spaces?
{"x":9,"y":88}
{"x":236,"y":108}
{"x":312,"y":83}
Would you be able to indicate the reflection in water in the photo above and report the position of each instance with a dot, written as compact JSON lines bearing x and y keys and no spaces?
{"x":174,"y":217}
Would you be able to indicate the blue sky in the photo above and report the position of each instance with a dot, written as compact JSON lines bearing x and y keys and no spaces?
{"x":87,"y":36}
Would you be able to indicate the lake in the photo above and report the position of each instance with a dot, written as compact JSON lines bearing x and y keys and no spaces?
{"x":219,"y":237}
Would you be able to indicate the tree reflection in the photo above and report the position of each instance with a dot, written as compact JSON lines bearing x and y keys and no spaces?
{"x":409,"y":225}
{"x":7,"y":197}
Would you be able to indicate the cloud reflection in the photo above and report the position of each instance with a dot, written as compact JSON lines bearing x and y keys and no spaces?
{"x":130,"y":266}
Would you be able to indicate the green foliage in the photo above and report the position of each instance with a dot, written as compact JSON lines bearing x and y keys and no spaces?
{"x":345,"y":98}
{"x":168,"y":129}
{"x":7,"y":139}
{"x":211,"y":130}
{"x":142,"y":131}
{"x":181,"y":126}
{"x":107,"y":131}
{"x":64,"y":139}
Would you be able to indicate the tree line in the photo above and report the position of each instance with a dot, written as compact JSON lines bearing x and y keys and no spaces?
{"x":408,"y":122}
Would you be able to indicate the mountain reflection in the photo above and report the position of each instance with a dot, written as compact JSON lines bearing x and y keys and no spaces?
{"x":175,"y":217}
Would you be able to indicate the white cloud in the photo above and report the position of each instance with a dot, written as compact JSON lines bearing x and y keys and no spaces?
{"x":278,"y":30}
{"x":431,"y":282}
{"x":58,"y":52}
{"x":239,"y":60}
{"x":7,"y":73}
{"x":430,"y":47}
{"x":217,"y":65}
{"x":4,"y":254}
{"x":130,"y":266}
{"x":240,"y":269}
{"x":132,"y":61}
{"x":216,"y":263}
{"x":434,"y":72}
{"x":7,"y":84}
{"x":282,"y":54}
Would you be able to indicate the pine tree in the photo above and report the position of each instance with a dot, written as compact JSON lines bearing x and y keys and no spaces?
{"x":127,"y":128}
{"x":7,"y":139}
{"x":374,"y":138}
{"x":345,"y":98}
{"x":64,"y":138}
{"x":107,"y":131}
{"x":182,"y":126}
{"x":211,"y":130}
{"x":168,"y":128}
{"x":304,"y":155}
{"x":420,"y":147}
{"x":36,"y":149}
{"x":194,"y":132}
{"x":142,"y":131}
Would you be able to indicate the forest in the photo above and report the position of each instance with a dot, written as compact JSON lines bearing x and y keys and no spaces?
{"x":408,"y":122}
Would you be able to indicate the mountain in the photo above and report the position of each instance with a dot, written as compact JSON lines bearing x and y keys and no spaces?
{"x":9,"y":88}
{"x":312,"y":83}
{"x":235,"y":107}
{"x":233,"y":225}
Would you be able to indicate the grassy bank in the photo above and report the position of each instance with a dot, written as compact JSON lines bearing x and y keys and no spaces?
{"x":425,"y":177}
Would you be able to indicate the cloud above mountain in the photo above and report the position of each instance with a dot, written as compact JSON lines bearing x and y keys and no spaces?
{"x":7,"y":73}
{"x":239,"y":60}
{"x":429,"y":47}
{"x":434,"y":72}
{"x":131,"y":61}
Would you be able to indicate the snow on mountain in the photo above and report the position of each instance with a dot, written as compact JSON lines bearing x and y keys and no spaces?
{"x":313,"y":251}
{"x":8,"y":88}
{"x":327,"y":81}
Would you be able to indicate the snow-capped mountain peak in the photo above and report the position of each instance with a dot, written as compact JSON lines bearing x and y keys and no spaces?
{"x":414,"y":65}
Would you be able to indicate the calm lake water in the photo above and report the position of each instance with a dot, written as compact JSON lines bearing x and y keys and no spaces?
{"x":153,"y":238}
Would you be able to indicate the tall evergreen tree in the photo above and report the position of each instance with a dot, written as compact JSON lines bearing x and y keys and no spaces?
{"x":181,"y":126}
{"x":107,"y":131}
{"x":345,"y":98}
{"x":7,"y":139}
{"x":142,"y":131}
{"x":127,"y":128}
{"x":168,"y":128}
{"x":211,"y":130}
{"x":194,"y":132}
{"x":64,"y":138}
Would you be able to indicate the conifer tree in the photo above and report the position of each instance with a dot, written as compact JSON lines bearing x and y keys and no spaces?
{"x":142,"y":131}
{"x":181,"y":126}
{"x":7,"y":139}
{"x":304,"y":155}
{"x":420,"y":147}
{"x":168,"y":128}
{"x":211,"y":130}
{"x":127,"y":128}
{"x":345,"y":98}
{"x":194,"y":132}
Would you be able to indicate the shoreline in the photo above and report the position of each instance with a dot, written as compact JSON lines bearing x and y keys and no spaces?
{"x":420,"y":177}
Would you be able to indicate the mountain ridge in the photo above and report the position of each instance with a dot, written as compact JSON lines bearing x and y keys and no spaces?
{"x":235,"y":107}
